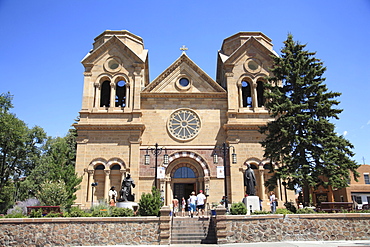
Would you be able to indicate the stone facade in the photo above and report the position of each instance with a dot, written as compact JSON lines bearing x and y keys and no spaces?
{"x":184,"y":110}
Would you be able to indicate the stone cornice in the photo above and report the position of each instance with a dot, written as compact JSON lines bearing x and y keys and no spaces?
{"x":240,"y":126}
{"x":222,"y":95}
{"x":140,"y":127}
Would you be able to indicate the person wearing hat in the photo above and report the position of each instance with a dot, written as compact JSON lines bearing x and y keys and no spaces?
{"x":201,"y":200}
{"x":112,"y":196}
{"x":193,"y":203}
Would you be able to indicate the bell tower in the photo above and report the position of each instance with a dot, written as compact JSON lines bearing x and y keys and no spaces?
{"x":110,"y":125}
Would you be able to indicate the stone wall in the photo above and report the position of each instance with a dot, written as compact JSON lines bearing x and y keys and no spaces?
{"x":156,"y":230}
{"x":79,"y":231}
{"x":277,"y":228}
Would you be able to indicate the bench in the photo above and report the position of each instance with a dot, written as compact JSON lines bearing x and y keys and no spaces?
{"x":45,"y":209}
{"x":335,"y":206}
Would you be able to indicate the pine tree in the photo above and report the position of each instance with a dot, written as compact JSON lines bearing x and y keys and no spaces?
{"x":301,"y":138}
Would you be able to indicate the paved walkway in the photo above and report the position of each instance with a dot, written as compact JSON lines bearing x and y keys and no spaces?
{"x":355,"y":243}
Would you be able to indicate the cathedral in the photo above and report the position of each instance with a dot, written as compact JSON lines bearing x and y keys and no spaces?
{"x":181,"y":132}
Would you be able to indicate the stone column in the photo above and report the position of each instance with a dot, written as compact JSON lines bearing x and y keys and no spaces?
{"x":128,"y":101}
{"x":96,"y":95}
{"x":137,"y":86}
{"x":262,"y":185}
{"x":106,"y":184}
{"x":221,"y":231}
{"x":165,"y":226}
{"x":89,"y":181}
{"x":112,"y":95}
{"x":254,"y":94}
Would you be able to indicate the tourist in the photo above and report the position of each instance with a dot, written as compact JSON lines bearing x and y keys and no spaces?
{"x":175,"y":204}
{"x":183,"y":205}
{"x":272,"y":202}
{"x":112,"y":196}
{"x":193,"y":203}
{"x":201,"y":200}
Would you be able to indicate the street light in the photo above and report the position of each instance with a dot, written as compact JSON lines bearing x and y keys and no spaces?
{"x":224,"y":149}
{"x":93,"y":185}
{"x":156,"y":151}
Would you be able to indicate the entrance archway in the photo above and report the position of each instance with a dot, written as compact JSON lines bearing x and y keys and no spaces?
{"x":185,"y":173}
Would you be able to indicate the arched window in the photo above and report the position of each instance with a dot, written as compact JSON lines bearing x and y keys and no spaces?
{"x":99,"y":167}
{"x":184,"y":172}
{"x":116,"y":167}
{"x":260,"y":97}
{"x":105,"y":94}
{"x":121,"y":94}
{"x":246,"y":94}
{"x":254,"y":167}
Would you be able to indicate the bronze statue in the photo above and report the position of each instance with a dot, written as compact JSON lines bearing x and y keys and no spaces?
{"x":250,"y":181}
{"x":125,"y":192}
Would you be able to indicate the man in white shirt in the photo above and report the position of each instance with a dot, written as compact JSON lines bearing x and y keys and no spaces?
{"x":193,"y":203}
{"x":201,"y":201}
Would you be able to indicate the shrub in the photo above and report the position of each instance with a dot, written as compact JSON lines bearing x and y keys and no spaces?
{"x":36,"y":213}
{"x":305,"y":211}
{"x":261,"y":212}
{"x":16,"y":212}
{"x":238,"y":208}
{"x":75,"y":212}
{"x":23,"y":206}
{"x":283,"y":211}
{"x":54,"y":215}
{"x":122,"y":212}
{"x":150,"y":204}
{"x":100,"y":210}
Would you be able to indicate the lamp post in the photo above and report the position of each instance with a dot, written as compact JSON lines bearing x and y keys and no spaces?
{"x":155,"y":151}
{"x":286,"y":196}
{"x":93,"y":185}
{"x":224,"y":149}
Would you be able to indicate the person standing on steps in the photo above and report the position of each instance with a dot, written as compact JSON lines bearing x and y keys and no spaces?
{"x":175,"y":203}
{"x":193,"y":203}
{"x":201,"y":200}
{"x":183,"y":205}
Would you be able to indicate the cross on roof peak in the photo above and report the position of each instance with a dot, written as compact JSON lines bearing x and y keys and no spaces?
{"x":183,"y":48}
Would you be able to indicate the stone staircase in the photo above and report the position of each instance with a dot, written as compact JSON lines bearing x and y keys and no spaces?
{"x":186,"y":230}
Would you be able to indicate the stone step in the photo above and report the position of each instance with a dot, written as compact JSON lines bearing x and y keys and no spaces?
{"x":192,"y":231}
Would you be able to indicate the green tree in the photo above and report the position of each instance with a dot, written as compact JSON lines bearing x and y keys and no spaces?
{"x":53,"y":193}
{"x":56,"y":164}
{"x":19,"y":145}
{"x":301,"y":138}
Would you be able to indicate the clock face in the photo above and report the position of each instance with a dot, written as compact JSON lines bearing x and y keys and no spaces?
{"x":184,"y":124}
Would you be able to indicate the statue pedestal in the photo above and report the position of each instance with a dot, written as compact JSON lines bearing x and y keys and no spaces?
{"x":132,"y":205}
{"x":252,"y":203}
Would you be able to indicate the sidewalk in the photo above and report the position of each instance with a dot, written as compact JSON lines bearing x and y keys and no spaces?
{"x":354,"y":243}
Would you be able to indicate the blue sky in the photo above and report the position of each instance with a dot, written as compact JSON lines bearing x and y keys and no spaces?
{"x":42,"y":43}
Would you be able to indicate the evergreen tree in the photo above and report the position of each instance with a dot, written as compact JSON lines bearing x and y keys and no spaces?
{"x":301,"y":138}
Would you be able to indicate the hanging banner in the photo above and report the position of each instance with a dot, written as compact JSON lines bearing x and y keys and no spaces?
{"x":220,"y":172}
{"x":161,"y":172}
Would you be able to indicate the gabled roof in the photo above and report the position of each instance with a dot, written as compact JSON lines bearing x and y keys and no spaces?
{"x":94,"y":54}
{"x":241,"y":50}
{"x":182,"y":60}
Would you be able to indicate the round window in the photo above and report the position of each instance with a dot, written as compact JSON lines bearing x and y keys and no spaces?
{"x":252,"y":65}
{"x":184,"y":124}
{"x":113,"y":64}
{"x":184,"y":82}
